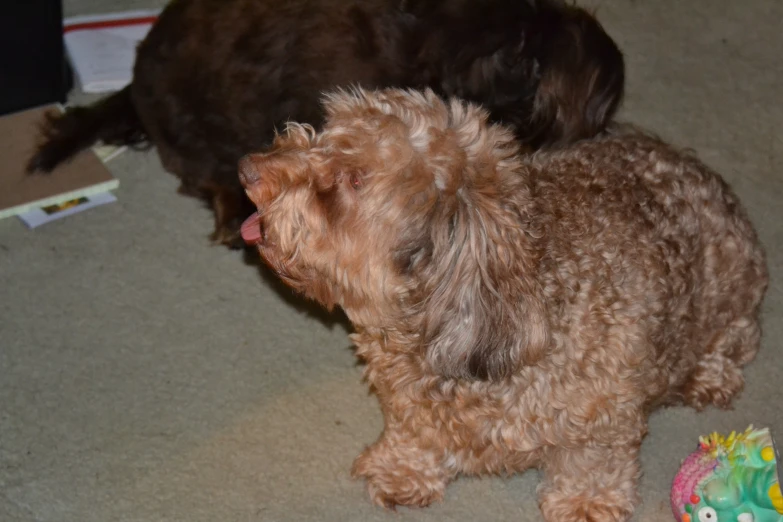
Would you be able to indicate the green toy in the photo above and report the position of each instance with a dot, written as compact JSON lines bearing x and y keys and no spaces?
{"x":730,"y":479}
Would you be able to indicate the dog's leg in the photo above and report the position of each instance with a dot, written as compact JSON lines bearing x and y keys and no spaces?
{"x":400,"y":472}
{"x":590,"y":484}
{"x":231,"y":208}
{"x":187,"y":188}
{"x":717,"y":377}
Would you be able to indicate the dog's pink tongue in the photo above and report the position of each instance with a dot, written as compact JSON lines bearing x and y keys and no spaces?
{"x":251,"y":229}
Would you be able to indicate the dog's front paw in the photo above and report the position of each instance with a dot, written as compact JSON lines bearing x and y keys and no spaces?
{"x":229,"y":236}
{"x":590,"y":484}
{"x":397,"y":478}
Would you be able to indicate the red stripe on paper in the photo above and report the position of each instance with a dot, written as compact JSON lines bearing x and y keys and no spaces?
{"x":103,"y":24}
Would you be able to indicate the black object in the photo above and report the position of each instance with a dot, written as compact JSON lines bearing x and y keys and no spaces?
{"x":33,"y":69}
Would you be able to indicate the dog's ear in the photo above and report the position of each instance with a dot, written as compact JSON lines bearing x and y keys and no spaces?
{"x":482,"y":309}
{"x":582,"y":75}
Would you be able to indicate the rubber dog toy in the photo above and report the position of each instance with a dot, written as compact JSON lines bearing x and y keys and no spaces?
{"x":730,"y":479}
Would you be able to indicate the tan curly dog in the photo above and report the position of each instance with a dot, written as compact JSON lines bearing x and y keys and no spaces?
{"x":513,"y":310}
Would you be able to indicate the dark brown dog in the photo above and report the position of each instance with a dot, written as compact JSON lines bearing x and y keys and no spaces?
{"x":214,"y":78}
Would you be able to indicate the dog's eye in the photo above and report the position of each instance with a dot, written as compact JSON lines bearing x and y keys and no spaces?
{"x":355,"y":181}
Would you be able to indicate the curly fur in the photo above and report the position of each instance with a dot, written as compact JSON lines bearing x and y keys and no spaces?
{"x":513,"y":310}
{"x":214,"y":78}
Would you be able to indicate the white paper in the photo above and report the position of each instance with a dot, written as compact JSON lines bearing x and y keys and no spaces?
{"x":103,"y":57}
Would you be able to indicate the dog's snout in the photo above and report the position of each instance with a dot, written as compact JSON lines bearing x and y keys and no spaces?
{"x":248,"y":172}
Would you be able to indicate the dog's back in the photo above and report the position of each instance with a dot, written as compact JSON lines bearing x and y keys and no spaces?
{"x":665,"y":213}
{"x":214,"y":79}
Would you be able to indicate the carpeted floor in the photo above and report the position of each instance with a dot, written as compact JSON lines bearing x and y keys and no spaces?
{"x":146,"y":376}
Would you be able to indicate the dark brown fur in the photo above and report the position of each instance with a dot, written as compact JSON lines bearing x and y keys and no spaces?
{"x":214,"y":78}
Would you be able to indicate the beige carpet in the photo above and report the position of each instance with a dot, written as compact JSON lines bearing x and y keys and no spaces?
{"x":146,"y":376}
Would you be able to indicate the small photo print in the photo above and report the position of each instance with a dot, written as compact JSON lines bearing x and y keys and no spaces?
{"x":40,"y":216}
{"x":65,"y":205}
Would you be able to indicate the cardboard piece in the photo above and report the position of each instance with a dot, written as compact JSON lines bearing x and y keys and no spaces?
{"x":84,"y":175}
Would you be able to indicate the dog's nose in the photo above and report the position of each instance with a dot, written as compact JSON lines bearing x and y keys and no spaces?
{"x":248,"y":173}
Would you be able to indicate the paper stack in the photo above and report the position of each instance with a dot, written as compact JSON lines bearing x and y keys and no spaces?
{"x":102,"y":48}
